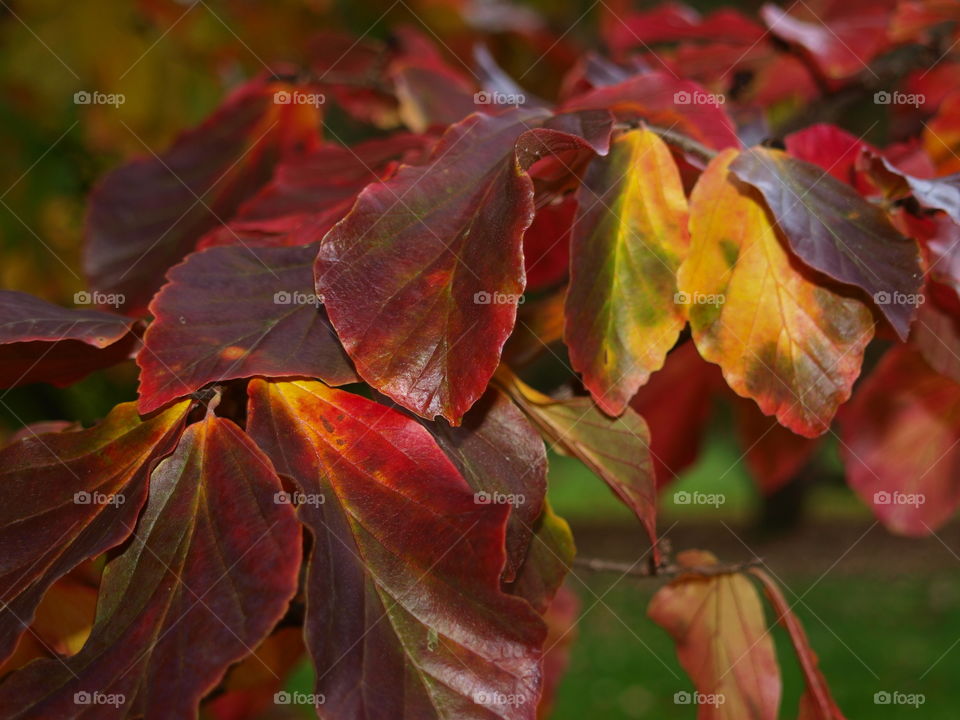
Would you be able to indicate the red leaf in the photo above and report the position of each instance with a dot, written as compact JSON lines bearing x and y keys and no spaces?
{"x":212,"y":567}
{"x":817,"y":703}
{"x":547,"y":562}
{"x":836,"y":231}
{"x":310,"y":193}
{"x":561,"y":618}
{"x":722,"y":641}
{"x":900,"y":441}
{"x":546,"y":244}
{"x":658,"y":98}
{"x":42,"y":342}
{"x":234,"y":312}
{"x":397,"y":528}
{"x":429,"y":264}
{"x":842,"y":41}
{"x":616,"y":449}
{"x":68,"y":497}
{"x":147,"y":215}
{"x":773,"y":453}
{"x":676,"y":405}
{"x":503,"y":459}
{"x":833,"y":149}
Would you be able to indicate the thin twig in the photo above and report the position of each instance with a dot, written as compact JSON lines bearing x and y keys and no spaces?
{"x":666,"y":571}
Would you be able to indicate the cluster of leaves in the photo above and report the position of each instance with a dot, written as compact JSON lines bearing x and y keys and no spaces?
{"x":332,"y":337}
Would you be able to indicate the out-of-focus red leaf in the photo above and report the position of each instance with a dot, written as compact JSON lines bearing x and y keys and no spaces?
{"x":676,"y":405}
{"x":561,"y":620}
{"x":547,"y":562}
{"x":773,"y":453}
{"x":616,"y":449}
{"x":147,"y":215}
{"x":502,"y":457}
{"x":672,"y":22}
{"x":310,"y":193}
{"x":397,"y":527}
{"x":900,"y":443}
{"x":42,"y":342}
{"x":718,"y":625}
{"x":830,"y":147}
{"x":629,"y":238}
{"x":936,"y":333}
{"x":212,"y":566}
{"x":781,"y":337}
{"x":546,"y":244}
{"x":913,"y":19}
{"x":234,"y":312}
{"x":430,"y":262}
{"x":816,"y":703}
{"x":662,"y":99}
{"x":842,"y":41}
{"x":836,"y":231}
{"x":68,"y":497}
{"x":941,"y":193}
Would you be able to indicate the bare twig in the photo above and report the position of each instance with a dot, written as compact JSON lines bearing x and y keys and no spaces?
{"x":666,"y":571}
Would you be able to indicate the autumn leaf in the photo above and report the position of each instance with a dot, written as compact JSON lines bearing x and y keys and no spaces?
{"x":430,"y":262}
{"x":816,"y":703}
{"x":70,"y":496}
{"x":42,"y":342}
{"x":629,"y":237}
{"x":834,"y":230}
{"x":147,"y":215}
{"x":547,"y":561}
{"x":234,"y":312}
{"x":900,"y":439}
{"x":791,"y":344}
{"x":718,"y":625}
{"x":616,"y":449}
{"x":213,"y":564}
{"x":398,"y":532}
{"x":502,"y":457}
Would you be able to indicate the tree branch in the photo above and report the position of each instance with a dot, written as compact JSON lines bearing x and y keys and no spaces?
{"x":640,"y":570}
